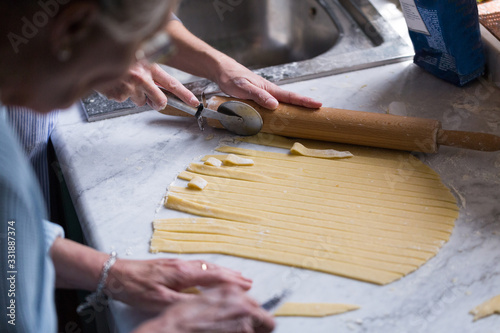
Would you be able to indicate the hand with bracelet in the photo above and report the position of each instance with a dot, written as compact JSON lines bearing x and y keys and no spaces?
{"x":155,"y":285}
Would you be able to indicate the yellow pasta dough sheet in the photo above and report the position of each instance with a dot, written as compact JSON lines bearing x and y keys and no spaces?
{"x":291,"y":309}
{"x":376,"y":216}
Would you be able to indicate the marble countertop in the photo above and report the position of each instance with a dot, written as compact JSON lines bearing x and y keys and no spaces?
{"x":118,"y":171}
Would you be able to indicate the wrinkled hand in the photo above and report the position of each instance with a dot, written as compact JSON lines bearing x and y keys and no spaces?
{"x":154,"y":284}
{"x":140,"y":84}
{"x":142,"y":81}
{"x":225,"y":309}
{"x":238,"y":81}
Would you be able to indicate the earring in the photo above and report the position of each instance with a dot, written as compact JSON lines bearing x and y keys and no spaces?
{"x":64,"y":54}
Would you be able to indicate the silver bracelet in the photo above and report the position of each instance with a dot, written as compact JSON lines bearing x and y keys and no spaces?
{"x":98,"y":296}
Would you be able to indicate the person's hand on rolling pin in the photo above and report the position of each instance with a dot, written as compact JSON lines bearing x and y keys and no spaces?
{"x":198,"y":58}
{"x":154,"y":284}
{"x":238,"y":81}
{"x":225,"y":309}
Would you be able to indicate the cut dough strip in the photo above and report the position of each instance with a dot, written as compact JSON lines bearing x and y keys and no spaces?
{"x":425,"y":214}
{"x":273,"y":178}
{"x":335,"y":193}
{"x":361,"y":154}
{"x":286,"y":245}
{"x":216,"y":211}
{"x":386,"y":179}
{"x":415,"y":168}
{"x":317,"y":219}
{"x":337,"y":239}
{"x":408,"y":162}
{"x":329,"y":209}
{"x":313,"y":309}
{"x":271,"y":140}
{"x":328,"y":255}
{"x":339,"y":169}
{"x":486,"y":309}
{"x":300,"y":149}
{"x":233,"y":160}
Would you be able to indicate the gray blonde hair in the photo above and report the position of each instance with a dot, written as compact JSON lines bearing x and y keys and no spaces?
{"x":129,"y":19}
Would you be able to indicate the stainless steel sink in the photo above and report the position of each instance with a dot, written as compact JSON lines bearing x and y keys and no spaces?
{"x":283,"y":41}
{"x":291,"y":40}
{"x":262,"y":33}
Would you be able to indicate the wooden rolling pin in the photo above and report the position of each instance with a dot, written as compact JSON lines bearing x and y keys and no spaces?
{"x":360,"y":128}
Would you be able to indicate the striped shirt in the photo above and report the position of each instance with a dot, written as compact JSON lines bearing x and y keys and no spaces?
{"x":27,"y":277}
{"x":33,"y":130}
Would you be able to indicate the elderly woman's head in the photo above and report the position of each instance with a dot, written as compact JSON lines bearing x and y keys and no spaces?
{"x":56,"y":51}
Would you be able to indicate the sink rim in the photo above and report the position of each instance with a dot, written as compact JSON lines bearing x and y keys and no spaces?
{"x":393,"y":49}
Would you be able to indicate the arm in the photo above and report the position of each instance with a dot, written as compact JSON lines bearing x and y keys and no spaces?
{"x":153,"y":285}
{"x":149,"y":284}
{"x":77,"y":266}
{"x":198,"y":58}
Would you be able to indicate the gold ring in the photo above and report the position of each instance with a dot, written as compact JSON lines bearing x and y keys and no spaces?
{"x":204,"y":266}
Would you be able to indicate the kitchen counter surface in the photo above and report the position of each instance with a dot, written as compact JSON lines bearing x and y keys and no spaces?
{"x":118,"y":171}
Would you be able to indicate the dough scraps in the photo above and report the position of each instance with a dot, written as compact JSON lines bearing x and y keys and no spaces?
{"x":212,"y":161}
{"x":235,"y":160}
{"x":300,"y":149}
{"x":487,"y":308}
{"x":313,"y":309}
{"x":375,"y":217}
{"x":197,"y":183}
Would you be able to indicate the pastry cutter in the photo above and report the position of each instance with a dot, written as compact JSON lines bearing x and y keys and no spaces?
{"x":276,"y":300}
{"x":237,"y":117}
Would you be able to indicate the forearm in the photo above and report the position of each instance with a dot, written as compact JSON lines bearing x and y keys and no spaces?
{"x":194,"y":55}
{"x":198,"y":58}
{"x":77,"y":266}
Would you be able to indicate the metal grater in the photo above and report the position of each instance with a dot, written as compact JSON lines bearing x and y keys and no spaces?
{"x":97,"y":107}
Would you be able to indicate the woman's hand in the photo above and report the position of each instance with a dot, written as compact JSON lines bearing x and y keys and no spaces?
{"x":225,"y":309}
{"x":141,"y":85}
{"x":154,"y":284}
{"x":198,"y":58}
{"x":238,"y":81}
